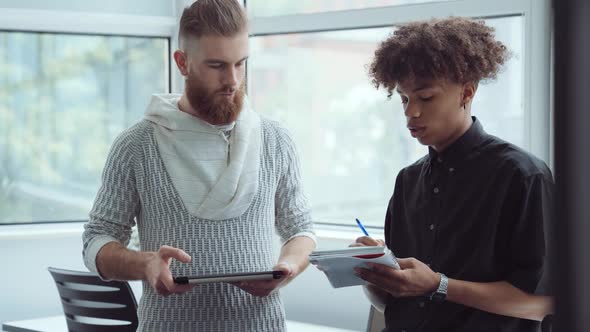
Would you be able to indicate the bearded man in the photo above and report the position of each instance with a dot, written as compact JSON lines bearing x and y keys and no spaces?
{"x":208,"y":183}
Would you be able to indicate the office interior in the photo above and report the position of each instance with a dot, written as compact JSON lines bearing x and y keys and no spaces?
{"x":75,"y":73}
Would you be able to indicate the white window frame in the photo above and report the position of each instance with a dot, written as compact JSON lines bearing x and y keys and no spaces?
{"x":537,"y":47}
{"x":76,"y":22}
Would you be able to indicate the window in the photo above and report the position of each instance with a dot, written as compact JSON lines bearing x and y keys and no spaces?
{"x":63,"y":99}
{"x":351,"y":139}
{"x":287,"y":7}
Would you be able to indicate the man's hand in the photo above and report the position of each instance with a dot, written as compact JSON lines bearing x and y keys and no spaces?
{"x":365,"y":241}
{"x":267,"y":287}
{"x":414,"y":279}
{"x":158,"y":270}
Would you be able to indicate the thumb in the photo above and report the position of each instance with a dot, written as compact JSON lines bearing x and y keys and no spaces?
{"x":405,"y":263}
{"x":170,"y":252}
{"x":367,"y":241}
{"x":285,"y":267}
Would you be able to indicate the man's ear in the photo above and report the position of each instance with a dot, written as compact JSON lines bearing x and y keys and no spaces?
{"x":468,"y":93}
{"x":181,"y":62}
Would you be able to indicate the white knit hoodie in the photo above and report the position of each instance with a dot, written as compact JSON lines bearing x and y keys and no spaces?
{"x":216,"y":177}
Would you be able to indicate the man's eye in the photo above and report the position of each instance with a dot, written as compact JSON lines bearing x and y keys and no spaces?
{"x":426,"y":98}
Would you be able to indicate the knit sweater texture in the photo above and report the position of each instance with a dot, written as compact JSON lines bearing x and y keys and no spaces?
{"x":136,"y":188}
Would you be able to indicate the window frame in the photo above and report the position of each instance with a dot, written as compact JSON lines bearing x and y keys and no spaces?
{"x":537,"y":51}
{"x":90,"y":24}
{"x":537,"y":47}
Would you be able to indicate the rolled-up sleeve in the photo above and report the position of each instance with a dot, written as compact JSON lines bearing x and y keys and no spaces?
{"x":292,"y":210}
{"x":116,"y":204}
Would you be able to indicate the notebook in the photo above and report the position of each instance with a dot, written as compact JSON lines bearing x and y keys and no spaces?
{"x":338,"y":265}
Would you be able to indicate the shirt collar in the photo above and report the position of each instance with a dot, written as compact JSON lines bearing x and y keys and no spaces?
{"x":471,"y":139}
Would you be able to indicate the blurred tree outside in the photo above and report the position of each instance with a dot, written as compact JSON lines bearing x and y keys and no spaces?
{"x":63,"y":100}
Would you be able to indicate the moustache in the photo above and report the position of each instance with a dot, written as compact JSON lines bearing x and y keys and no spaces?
{"x":227,"y":90}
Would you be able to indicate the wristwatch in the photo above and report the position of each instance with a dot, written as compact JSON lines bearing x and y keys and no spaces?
{"x":441,"y":292}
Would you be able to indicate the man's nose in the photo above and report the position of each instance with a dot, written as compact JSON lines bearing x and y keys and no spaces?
{"x":412,"y":110}
{"x":230,"y":78}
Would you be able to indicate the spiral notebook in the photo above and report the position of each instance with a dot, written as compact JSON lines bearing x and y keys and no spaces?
{"x":338,"y":265}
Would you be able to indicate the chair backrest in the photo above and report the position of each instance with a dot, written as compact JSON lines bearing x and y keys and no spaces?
{"x":93,"y":305}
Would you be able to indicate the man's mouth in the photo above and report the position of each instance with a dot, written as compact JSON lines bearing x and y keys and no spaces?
{"x":417,"y":131}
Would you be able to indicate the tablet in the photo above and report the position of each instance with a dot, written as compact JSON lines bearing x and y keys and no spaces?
{"x":229,"y":277}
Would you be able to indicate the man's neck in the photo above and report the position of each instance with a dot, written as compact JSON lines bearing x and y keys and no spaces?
{"x":460,"y":132}
{"x":185,"y":106}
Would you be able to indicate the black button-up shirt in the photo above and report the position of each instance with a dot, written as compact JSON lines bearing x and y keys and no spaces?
{"x":475,"y":212}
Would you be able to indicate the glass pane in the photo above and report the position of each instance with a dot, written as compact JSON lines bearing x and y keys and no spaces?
{"x":352,"y":140}
{"x":63,"y":99}
{"x":289,"y":7}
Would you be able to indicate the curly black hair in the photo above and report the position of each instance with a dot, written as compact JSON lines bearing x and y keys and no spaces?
{"x":457,"y":49}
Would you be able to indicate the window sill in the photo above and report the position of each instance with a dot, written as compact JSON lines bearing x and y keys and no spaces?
{"x":35,"y":231}
{"x":347,"y":233}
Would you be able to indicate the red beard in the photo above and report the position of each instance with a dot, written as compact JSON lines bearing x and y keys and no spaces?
{"x":211,"y":108}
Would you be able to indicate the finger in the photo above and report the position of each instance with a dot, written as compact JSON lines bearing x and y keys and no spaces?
{"x":285,"y":267}
{"x":368,"y":241}
{"x":383,"y":269}
{"x":357,"y":245}
{"x":265,"y":284}
{"x":374,"y":278}
{"x":167,"y":281}
{"x":171,"y":252}
{"x":395,"y":287}
{"x":256,"y":291}
{"x":179,"y":289}
{"x":161,"y":290}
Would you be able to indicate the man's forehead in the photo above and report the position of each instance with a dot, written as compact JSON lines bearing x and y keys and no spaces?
{"x":408,"y":86}
{"x":220,"y":47}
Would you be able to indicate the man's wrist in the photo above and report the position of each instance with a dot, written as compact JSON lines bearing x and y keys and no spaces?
{"x":440,"y":294}
{"x":147,"y":258}
{"x":435,"y":284}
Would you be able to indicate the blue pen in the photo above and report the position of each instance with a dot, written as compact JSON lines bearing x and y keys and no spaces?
{"x":358,"y":222}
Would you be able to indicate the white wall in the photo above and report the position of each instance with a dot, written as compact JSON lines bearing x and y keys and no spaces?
{"x":26,"y":287}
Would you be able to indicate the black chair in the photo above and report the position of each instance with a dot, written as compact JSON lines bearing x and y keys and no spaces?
{"x":93,"y":305}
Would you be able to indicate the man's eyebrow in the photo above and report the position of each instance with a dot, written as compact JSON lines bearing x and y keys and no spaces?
{"x":219,"y":61}
{"x":420,"y":87}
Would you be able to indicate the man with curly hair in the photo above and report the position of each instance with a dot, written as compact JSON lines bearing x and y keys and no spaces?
{"x":468,"y":218}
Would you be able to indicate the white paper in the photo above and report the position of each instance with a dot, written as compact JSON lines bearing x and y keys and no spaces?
{"x":339,"y":269}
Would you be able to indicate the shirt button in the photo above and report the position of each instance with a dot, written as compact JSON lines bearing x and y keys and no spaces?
{"x":451,"y":170}
{"x":436,"y":190}
{"x":431,"y":227}
{"x":439,"y":160}
{"x":421,"y":304}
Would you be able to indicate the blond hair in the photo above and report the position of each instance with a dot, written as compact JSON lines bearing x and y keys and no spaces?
{"x":212,"y":17}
